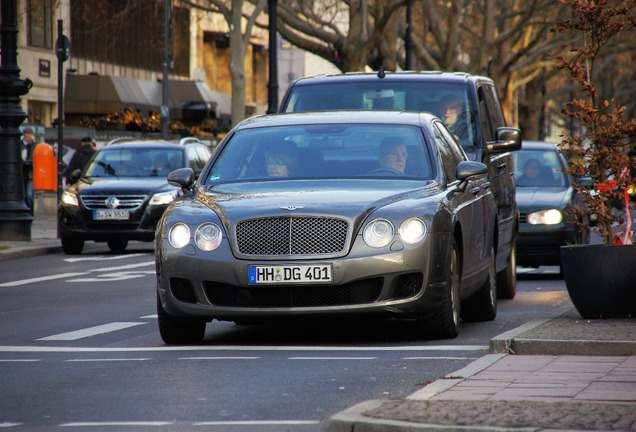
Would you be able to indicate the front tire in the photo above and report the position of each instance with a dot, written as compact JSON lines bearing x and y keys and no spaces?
{"x":72,"y":245}
{"x":444,"y":324}
{"x":178,"y":330}
{"x":117,"y":246}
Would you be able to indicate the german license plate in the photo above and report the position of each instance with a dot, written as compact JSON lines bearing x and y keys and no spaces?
{"x":290,"y":274}
{"x":111,"y":215}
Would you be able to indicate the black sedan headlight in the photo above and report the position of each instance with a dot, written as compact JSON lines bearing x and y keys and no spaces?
{"x":70,"y":199}
{"x":546,"y":217}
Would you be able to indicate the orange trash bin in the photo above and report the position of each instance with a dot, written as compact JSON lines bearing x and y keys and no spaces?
{"x":44,"y":168}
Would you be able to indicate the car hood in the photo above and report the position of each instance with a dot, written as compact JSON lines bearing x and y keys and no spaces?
{"x":137,"y":186}
{"x":348,"y":198}
{"x":536,"y":198}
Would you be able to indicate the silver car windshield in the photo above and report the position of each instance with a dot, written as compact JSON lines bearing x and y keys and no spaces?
{"x":539,"y":168}
{"x":324,"y":151}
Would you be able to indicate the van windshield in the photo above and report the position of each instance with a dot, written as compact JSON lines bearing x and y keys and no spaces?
{"x":449,"y":101}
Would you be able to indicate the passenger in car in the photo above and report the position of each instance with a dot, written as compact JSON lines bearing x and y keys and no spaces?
{"x":454,"y":115}
{"x":393,"y":154}
{"x":536,"y":174}
{"x":281,"y":162}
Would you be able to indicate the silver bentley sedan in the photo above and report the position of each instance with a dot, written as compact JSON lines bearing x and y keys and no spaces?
{"x":365,"y":213}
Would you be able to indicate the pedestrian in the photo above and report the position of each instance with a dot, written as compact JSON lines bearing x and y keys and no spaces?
{"x":27,"y":146}
{"x":80,"y":159}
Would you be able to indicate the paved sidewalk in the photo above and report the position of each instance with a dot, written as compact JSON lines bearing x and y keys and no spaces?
{"x":43,"y":240}
{"x":594,"y":390}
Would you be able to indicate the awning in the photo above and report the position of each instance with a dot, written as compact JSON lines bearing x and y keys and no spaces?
{"x":105,"y":94}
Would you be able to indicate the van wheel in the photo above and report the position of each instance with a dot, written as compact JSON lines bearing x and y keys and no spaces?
{"x":72,"y":245}
{"x":482,"y":306}
{"x":507,"y":278}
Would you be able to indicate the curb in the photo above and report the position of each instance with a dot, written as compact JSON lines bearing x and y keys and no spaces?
{"x":29,"y":252}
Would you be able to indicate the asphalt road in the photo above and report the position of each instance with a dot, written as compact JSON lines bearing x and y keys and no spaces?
{"x":79,"y":347}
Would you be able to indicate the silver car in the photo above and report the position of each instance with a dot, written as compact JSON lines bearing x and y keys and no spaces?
{"x":328,"y":214}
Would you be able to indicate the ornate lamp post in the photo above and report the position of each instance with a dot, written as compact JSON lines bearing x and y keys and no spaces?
{"x":15,"y":215}
{"x":272,"y":85}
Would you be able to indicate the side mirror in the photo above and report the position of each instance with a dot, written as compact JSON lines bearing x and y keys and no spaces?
{"x":183,"y":178}
{"x":467,"y":169}
{"x":508,"y":139}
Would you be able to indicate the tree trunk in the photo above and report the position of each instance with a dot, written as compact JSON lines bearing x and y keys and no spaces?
{"x":237,"y":63}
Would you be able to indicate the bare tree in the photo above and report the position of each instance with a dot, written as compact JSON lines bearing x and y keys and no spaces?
{"x":235,"y":12}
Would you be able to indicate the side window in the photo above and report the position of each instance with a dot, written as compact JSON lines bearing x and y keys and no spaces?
{"x":449,"y":159}
{"x":194,"y":161}
{"x":494,"y":107}
{"x":484,"y":115}
{"x":456,"y":149}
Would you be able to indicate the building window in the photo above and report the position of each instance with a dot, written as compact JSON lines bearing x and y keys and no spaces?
{"x":40,"y":23}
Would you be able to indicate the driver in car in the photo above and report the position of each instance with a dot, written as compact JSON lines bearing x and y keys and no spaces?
{"x":392,"y":155}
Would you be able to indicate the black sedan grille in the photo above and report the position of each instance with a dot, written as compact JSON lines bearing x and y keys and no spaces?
{"x":124,"y":202}
{"x":359,"y":292}
{"x":291,"y":236}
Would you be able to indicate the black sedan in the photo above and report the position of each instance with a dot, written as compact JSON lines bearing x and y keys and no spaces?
{"x":546,"y":199}
{"x":329,"y":214}
{"x":123,"y":192}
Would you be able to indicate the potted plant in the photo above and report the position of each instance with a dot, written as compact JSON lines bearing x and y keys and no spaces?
{"x":601,"y":278}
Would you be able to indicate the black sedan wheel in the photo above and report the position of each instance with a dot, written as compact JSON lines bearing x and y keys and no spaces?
{"x":177,"y":330}
{"x":117,"y":246}
{"x":482,"y":306}
{"x":72,"y":245}
{"x":444,"y":324}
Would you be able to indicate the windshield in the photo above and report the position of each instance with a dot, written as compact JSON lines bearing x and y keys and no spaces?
{"x":323,"y":151}
{"x":134,"y":162}
{"x":449,"y":101}
{"x":539,"y":168}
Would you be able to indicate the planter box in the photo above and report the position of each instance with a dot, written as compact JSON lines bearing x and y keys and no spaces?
{"x":601,"y":280}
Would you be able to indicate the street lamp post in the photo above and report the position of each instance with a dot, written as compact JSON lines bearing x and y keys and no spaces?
{"x":15,"y":215}
{"x":272,"y":86}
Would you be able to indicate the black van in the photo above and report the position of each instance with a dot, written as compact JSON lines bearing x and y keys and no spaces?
{"x":471,"y":103}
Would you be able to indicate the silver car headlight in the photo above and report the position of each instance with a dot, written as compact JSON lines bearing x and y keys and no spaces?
{"x":163,"y":198}
{"x":378,"y":233}
{"x":179,"y":235}
{"x":208,"y":236}
{"x":69,"y":199}
{"x":412,"y":230}
{"x":545,"y":217}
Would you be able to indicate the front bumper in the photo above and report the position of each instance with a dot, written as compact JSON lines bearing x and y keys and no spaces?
{"x":79,"y":223}
{"x":541,"y":245}
{"x":397,"y":281}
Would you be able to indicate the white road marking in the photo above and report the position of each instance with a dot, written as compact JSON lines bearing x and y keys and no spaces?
{"x":256,"y":422}
{"x":149,"y":317}
{"x":62,"y":349}
{"x":440,"y":358}
{"x":9,"y":424}
{"x":108,"y":359}
{"x":103,"y":257}
{"x":41,"y":279}
{"x":116,"y":276}
{"x":125,"y":267}
{"x":218,"y":358}
{"x":92,"y":331}
{"x":332,"y":358}
{"x":19,"y":360}
{"x":129,"y":423}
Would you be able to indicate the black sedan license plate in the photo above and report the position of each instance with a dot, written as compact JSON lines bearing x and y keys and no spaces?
{"x":290,"y":274}
{"x":111,"y":215}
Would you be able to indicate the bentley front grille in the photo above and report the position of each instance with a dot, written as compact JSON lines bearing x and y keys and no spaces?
{"x":122,"y":202}
{"x":291,"y":236}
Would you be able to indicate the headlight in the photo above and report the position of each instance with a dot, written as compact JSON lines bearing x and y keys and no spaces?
{"x":545,"y":217}
{"x":378,"y":233}
{"x":179,"y":235}
{"x":208,"y":236}
{"x":163,"y":198}
{"x":69,"y":199}
{"x":412,"y":230}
